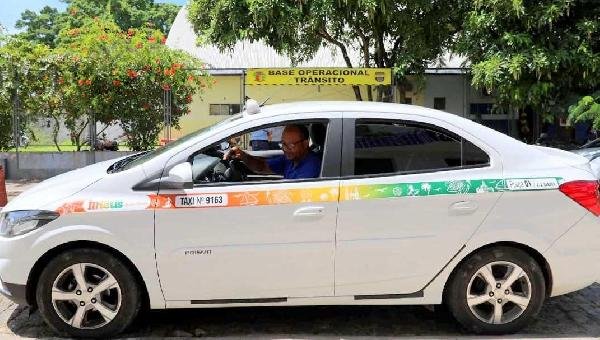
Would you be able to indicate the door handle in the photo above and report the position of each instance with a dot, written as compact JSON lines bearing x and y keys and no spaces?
{"x":463,"y":208}
{"x":310,"y":211}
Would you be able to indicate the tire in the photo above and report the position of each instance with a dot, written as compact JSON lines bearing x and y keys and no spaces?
{"x":106,"y":311}
{"x":491,"y":309}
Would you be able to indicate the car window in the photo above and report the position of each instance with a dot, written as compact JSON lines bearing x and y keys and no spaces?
{"x":264,"y":142}
{"x":400,"y":147}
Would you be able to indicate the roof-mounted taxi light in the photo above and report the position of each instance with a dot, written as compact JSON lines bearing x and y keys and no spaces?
{"x":252,"y":107}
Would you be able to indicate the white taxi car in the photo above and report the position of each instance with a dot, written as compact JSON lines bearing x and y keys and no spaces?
{"x":412,"y":206}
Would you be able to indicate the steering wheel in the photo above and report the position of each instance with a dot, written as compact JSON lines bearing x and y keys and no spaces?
{"x":237,"y":171}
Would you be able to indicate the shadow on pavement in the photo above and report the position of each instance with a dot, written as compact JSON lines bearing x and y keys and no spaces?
{"x":574,"y":315}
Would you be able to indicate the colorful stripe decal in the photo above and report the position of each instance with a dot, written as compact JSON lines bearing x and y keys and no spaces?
{"x":359,"y":192}
{"x":312,"y":195}
{"x":244,"y":198}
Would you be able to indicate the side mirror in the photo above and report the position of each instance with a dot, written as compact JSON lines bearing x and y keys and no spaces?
{"x":180,"y":177}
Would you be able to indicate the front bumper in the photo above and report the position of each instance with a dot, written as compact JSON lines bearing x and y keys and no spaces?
{"x":14,"y":292}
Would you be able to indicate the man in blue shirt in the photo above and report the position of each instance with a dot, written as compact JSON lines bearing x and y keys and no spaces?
{"x":296,"y":162}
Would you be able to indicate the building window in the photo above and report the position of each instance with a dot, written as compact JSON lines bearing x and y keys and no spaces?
{"x":224,"y":109}
{"x":439,"y":103}
{"x":481,"y":108}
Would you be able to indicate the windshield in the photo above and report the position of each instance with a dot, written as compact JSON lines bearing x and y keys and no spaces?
{"x":593,"y":144}
{"x":132,"y":161}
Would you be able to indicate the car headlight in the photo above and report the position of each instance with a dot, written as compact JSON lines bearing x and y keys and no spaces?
{"x":19,"y":222}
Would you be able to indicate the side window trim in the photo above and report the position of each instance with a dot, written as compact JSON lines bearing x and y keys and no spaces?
{"x":348,"y":148}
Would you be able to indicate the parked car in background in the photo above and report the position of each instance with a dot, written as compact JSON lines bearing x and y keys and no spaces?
{"x":591,"y":151}
{"x":411,"y":206}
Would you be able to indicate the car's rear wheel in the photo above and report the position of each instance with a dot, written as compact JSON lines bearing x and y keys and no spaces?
{"x":87,"y":293}
{"x":496,"y":291}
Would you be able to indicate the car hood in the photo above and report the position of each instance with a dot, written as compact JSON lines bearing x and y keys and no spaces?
{"x":59,"y":187}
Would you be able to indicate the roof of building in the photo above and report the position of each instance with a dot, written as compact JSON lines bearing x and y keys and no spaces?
{"x":246,"y":54}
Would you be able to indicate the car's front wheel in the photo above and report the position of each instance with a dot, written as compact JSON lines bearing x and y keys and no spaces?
{"x":496,"y":291}
{"x":87,"y":293}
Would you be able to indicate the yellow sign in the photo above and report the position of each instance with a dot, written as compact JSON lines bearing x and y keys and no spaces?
{"x":319,"y":76}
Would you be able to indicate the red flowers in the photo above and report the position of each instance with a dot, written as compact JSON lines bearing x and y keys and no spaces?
{"x":152,"y":40}
{"x":169,"y":72}
{"x":82,"y":82}
{"x":130,"y":32}
{"x":132,"y":74}
{"x":166,"y":87}
{"x":116,"y":83}
{"x":163,"y":40}
{"x":188,"y":99}
{"x":73,"y":32}
{"x":139,"y":45}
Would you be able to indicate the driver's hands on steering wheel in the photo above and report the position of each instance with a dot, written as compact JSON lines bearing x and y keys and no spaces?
{"x":234,"y":153}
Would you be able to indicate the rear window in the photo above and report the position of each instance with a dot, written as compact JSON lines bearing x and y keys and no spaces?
{"x":401,"y":147}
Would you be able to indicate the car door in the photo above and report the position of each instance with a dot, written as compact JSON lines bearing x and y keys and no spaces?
{"x":246,"y":242}
{"x":413,"y":190}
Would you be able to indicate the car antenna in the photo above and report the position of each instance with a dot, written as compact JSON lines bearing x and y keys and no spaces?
{"x":263,"y":103}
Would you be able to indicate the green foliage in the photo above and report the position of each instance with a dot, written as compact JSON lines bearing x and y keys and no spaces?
{"x":118,"y":76}
{"x":534,"y":53}
{"x":21,"y":74}
{"x":44,"y":27}
{"x":586,"y":109}
{"x":404,"y":35}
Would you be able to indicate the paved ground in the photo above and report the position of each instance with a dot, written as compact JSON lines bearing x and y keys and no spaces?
{"x":572,"y":315}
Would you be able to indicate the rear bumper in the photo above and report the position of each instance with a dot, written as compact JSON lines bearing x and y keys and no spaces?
{"x":575,"y":257}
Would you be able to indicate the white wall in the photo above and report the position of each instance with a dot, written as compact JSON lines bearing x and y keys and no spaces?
{"x":450,"y":86}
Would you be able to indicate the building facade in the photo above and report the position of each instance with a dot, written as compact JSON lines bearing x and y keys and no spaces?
{"x":446,"y":87}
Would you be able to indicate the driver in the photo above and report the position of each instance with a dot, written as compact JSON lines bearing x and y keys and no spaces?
{"x":296,"y":162}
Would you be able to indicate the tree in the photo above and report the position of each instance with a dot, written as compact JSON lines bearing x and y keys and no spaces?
{"x":120,"y":77}
{"x":44,"y":27}
{"x":21,"y":82}
{"x":405,"y":35}
{"x":125,"y":13}
{"x":543,"y":54}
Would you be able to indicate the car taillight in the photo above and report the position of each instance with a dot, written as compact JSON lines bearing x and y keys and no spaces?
{"x":585,"y":193}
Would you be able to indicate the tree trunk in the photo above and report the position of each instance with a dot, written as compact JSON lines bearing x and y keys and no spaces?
{"x":55,"y":131}
{"x":357,"y":93}
{"x":77,"y":137}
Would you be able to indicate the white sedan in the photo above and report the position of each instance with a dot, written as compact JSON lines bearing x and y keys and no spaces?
{"x":410,"y":206}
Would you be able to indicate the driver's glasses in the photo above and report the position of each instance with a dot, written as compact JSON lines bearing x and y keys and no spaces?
{"x":290,"y":146}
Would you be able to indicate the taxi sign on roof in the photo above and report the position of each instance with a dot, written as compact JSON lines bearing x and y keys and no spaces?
{"x":319,"y":76}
